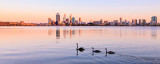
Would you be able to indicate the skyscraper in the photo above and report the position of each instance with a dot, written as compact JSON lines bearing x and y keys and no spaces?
{"x":71,"y":18}
{"x":121,"y":21}
{"x":125,"y":22}
{"x":101,"y":21}
{"x":144,"y":22}
{"x":115,"y":22}
{"x":57,"y":18}
{"x":134,"y":22}
{"x":80,"y":20}
{"x":154,"y":18}
{"x":64,"y":18}
{"x":140,"y":22}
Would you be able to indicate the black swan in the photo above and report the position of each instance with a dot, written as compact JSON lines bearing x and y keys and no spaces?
{"x":109,"y":52}
{"x":96,"y":51}
{"x":80,"y":49}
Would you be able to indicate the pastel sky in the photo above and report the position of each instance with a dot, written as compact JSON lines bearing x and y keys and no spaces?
{"x":40,"y":10}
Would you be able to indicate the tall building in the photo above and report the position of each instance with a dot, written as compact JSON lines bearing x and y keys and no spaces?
{"x":80,"y":20}
{"x":101,"y":21}
{"x":144,"y":22}
{"x":153,"y":20}
{"x":134,"y":22}
{"x":57,"y":18}
{"x":73,"y":20}
{"x":115,"y":22}
{"x":125,"y":22}
{"x":64,"y":18}
{"x":140,"y":22}
{"x":121,"y":21}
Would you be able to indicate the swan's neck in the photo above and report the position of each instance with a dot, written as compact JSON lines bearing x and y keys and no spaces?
{"x":77,"y":45}
{"x":92,"y":49}
{"x":106,"y":51}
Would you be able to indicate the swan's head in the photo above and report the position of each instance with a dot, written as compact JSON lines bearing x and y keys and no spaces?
{"x":92,"y":48}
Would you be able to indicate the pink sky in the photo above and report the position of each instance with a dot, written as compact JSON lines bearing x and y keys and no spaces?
{"x":40,"y":10}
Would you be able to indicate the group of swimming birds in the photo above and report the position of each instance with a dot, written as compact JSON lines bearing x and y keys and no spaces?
{"x":96,"y":51}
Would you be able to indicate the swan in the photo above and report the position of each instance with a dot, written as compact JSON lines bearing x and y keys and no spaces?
{"x":110,"y":52}
{"x":96,"y":51}
{"x":80,"y":49}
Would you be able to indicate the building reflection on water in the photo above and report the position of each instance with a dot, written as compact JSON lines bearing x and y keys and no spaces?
{"x":57,"y":33}
{"x":154,"y":33}
{"x":80,"y":32}
{"x":70,"y":33}
{"x":49,"y":32}
{"x":65,"y":33}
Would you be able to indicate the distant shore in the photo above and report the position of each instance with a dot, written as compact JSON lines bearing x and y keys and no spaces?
{"x":73,"y":25}
{"x":70,"y":24}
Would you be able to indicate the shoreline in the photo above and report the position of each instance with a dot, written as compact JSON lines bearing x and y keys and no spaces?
{"x":116,"y":26}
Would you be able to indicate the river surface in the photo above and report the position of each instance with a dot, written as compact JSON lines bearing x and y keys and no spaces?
{"x":57,"y":45}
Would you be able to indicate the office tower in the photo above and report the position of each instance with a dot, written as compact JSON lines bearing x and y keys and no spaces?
{"x":121,"y":21}
{"x":134,"y":22}
{"x":144,"y":22}
{"x":80,"y":20}
{"x":64,"y":18}
{"x":153,"y":20}
{"x":115,"y":22}
{"x":125,"y":22}
{"x":101,"y":21}
{"x":73,"y":20}
{"x":140,"y":22}
{"x":57,"y":18}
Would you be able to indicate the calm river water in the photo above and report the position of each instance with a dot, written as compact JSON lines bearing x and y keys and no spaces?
{"x":57,"y":45}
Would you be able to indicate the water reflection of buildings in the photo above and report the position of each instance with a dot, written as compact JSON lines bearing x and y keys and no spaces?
{"x":49,"y":32}
{"x":70,"y":33}
{"x":58,"y":34}
{"x":65,"y":33}
{"x":154,"y":33}
{"x":80,"y":32}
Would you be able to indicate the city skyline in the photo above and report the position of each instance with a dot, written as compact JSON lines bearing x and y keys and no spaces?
{"x":38,"y":11}
{"x":71,"y":21}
